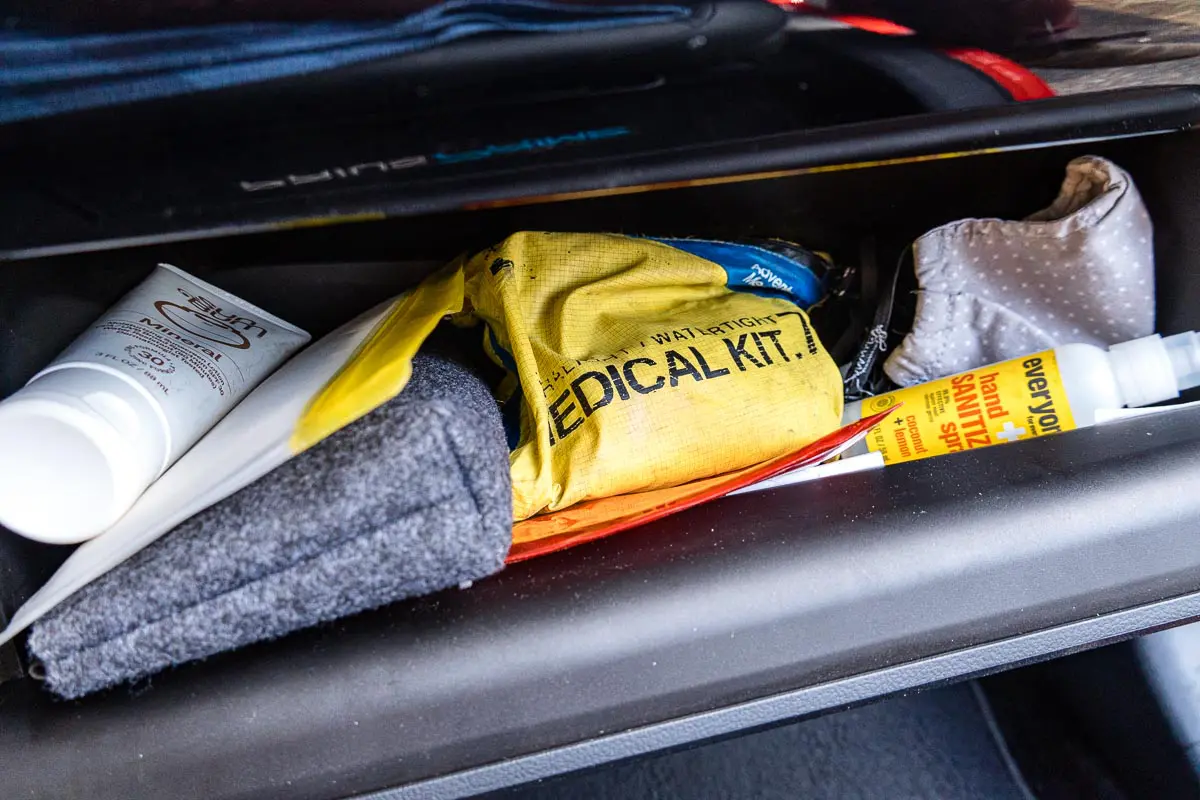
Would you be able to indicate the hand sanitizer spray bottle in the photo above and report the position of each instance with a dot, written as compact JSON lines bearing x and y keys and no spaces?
{"x":1038,"y":395}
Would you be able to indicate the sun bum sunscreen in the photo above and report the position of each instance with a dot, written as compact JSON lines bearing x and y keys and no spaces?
{"x":1038,"y":395}
{"x":85,"y":437}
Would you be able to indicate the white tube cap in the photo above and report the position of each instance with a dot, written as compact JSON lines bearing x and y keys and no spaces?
{"x":1184,"y":351}
{"x":77,"y":447}
{"x":1144,"y":371}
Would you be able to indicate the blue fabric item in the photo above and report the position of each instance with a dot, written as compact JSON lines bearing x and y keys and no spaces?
{"x":44,"y":75}
{"x":512,"y":407}
{"x":757,"y":270}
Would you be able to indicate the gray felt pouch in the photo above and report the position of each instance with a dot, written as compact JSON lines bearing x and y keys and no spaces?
{"x":412,"y":498}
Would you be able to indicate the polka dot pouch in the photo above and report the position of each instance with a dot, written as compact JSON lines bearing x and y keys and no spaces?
{"x":1082,"y":270}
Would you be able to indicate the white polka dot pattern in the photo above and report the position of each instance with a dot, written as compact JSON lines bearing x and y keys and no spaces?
{"x":1081,"y":270}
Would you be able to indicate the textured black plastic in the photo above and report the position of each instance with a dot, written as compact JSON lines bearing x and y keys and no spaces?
{"x":126,"y":176}
{"x":85,"y":204}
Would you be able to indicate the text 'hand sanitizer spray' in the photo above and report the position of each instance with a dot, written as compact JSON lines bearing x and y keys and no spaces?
{"x":1038,"y":395}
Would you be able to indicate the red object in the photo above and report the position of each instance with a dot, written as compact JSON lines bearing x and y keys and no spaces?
{"x":596,"y":519}
{"x":1022,"y":83}
{"x":883,"y":27}
{"x":992,"y":24}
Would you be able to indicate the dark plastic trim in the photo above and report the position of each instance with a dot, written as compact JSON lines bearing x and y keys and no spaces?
{"x":814,"y":597}
{"x":971,"y":662}
{"x":936,"y":80}
{"x":1106,"y":115}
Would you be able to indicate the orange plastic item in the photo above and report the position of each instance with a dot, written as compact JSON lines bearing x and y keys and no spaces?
{"x":595,"y":519}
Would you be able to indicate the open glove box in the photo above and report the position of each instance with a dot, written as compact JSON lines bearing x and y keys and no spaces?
{"x":740,"y":614}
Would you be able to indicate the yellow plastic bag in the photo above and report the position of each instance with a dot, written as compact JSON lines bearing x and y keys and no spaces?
{"x":638,"y":364}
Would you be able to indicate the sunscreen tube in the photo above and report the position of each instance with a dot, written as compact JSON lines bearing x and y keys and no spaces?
{"x":86,"y":436}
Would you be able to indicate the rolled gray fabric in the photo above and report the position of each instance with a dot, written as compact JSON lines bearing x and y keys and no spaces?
{"x":412,"y":498}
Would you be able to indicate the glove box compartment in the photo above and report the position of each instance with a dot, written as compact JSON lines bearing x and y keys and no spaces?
{"x":739,"y":614}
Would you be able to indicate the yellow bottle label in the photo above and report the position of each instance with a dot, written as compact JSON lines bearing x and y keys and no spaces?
{"x":997,"y":404}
